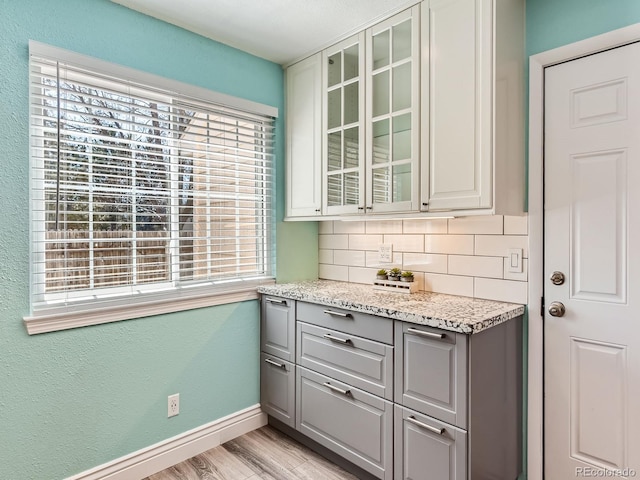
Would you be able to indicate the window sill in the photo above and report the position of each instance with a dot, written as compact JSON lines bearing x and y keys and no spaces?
{"x":63,"y":318}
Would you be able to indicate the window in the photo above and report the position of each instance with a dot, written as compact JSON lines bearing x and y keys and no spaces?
{"x":140,"y":194}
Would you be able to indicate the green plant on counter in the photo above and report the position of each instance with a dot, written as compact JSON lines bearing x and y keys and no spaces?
{"x":407,"y":273}
{"x":382,"y":272}
{"x":395,"y":272}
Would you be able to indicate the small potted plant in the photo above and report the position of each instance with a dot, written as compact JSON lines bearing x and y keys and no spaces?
{"x":394,"y":274}
{"x":382,"y":274}
{"x":406,"y":276}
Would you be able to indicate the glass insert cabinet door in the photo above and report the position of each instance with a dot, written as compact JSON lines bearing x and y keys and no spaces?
{"x":343,"y":113}
{"x":392,"y":136}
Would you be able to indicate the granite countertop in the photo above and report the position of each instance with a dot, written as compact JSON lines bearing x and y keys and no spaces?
{"x":448,"y":312}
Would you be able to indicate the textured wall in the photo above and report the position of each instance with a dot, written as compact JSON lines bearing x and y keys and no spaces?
{"x":553,"y":23}
{"x":75,"y":399}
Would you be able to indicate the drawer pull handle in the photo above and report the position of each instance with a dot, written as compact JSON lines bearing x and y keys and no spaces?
{"x":328,"y":336}
{"x":422,"y":333}
{"x":337,"y":390}
{"x":275,"y":364}
{"x":413,"y":420}
{"x":277,"y":302}
{"x":337,"y":314}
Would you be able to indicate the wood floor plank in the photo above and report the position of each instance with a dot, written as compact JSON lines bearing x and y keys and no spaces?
{"x":263,"y":454}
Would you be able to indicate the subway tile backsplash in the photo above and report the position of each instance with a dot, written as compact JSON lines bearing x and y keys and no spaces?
{"x":461,"y":256}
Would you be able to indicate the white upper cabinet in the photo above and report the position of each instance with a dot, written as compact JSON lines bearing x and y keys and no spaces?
{"x":473,"y":105}
{"x":421,"y":113}
{"x":343,"y":132}
{"x":393,"y":114}
{"x":304,"y":138}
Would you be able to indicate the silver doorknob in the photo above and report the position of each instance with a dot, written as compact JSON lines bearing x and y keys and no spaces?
{"x":556,"y":309}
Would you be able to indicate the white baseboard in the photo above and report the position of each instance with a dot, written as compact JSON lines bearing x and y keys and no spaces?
{"x":177,"y":449}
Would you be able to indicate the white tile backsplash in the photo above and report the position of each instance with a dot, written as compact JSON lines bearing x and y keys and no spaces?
{"x":354,"y":258}
{"x":451,"y":284}
{"x":454,"y":244}
{"x":499,"y":245}
{"x":335,"y":242}
{"x":365,"y":242}
{"x":482,"y":225}
{"x":406,"y":243}
{"x":461,"y":256}
{"x":473,"y":266}
{"x":501,"y":290}
{"x":348,"y":227}
{"x":424,"y":262}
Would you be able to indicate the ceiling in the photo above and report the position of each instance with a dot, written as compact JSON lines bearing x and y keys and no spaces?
{"x":279,"y":30}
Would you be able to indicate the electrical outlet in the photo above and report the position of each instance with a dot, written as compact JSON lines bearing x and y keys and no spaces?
{"x":173,"y":405}
{"x":385,"y":253}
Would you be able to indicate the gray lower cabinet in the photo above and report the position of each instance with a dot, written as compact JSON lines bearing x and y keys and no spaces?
{"x":427,"y":449}
{"x":352,"y":423}
{"x":278,"y":389}
{"x":431,"y":372}
{"x":278,"y":327}
{"x":360,"y":362}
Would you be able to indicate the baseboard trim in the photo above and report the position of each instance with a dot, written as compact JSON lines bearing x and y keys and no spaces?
{"x":155,"y":458}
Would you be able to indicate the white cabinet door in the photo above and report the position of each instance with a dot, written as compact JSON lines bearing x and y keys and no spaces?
{"x":343,"y":132}
{"x":393,"y":114}
{"x":304,"y":137}
{"x":458,"y":35}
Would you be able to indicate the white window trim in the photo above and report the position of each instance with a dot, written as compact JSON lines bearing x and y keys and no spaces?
{"x":96,"y":310}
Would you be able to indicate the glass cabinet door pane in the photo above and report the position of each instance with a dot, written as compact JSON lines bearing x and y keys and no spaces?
{"x":351,"y":146}
{"x":381,"y":93}
{"x":334,"y":190}
{"x":334,"y":154}
{"x":402,"y":182}
{"x":351,"y":188}
{"x":402,"y":87}
{"x":351,"y":62}
{"x":381,"y":50}
{"x":402,"y":137}
{"x":334,"y":69}
{"x":381,"y":141}
{"x":351,"y":103}
{"x":334,"y":108}
{"x":381,"y":190}
{"x":402,"y":41}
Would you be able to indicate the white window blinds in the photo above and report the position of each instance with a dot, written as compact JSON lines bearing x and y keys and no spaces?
{"x":138,"y":189}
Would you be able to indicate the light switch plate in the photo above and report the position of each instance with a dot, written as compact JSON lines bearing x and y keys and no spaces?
{"x":385,"y":253}
{"x":515,"y":260}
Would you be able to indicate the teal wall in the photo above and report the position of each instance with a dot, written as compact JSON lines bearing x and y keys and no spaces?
{"x":553,"y":23}
{"x":75,"y":399}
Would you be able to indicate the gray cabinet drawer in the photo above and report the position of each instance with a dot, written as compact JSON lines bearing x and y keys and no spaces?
{"x":431,"y":372}
{"x":357,"y":361}
{"x":427,"y":449}
{"x":277,"y":327}
{"x":277,"y":388}
{"x":348,"y":421}
{"x":356,"y":323}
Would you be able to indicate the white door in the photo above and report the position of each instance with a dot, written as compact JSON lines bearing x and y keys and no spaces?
{"x":592,"y":236}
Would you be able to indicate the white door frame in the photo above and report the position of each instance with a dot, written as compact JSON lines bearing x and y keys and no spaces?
{"x":537,"y":64}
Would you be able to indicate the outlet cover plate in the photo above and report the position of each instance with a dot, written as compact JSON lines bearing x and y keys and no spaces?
{"x":385,"y":252}
{"x":173,"y":405}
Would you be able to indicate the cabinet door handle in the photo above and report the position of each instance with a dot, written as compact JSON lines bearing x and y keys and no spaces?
{"x":328,"y":336}
{"x":413,"y":420}
{"x":337,"y":314}
{"x":277,"y":302}
{"x":337,"y":390}
{"x":422,"y":333}
{"x":275,"y":364}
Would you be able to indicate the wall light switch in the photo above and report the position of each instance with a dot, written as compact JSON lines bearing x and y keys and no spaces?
{"x":515,"y":260}
{"x":385,"y":253}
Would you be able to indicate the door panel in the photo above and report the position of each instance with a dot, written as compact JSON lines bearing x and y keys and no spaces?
{"x":592,"y":236}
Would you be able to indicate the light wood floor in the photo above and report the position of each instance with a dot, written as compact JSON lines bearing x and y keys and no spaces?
{"x":265,"y":453}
